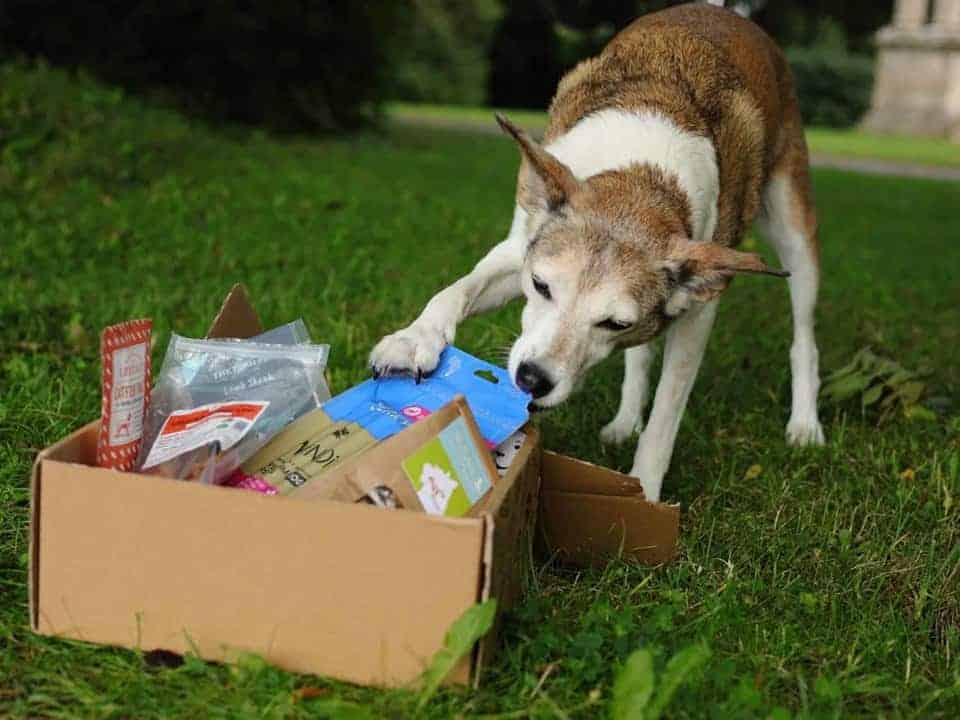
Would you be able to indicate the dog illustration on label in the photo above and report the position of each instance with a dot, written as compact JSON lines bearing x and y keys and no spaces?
{"x":436,"y":489}
{"x":123,"y":429}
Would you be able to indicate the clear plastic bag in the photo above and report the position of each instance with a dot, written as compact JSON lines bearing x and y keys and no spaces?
{"x":288,"y":378}
{"x":293,"y":333}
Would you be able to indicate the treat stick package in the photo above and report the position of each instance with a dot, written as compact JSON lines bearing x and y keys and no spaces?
{"x":125,"y":368}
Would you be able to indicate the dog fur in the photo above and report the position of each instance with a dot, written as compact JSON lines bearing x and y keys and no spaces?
{"x":659,"y":155}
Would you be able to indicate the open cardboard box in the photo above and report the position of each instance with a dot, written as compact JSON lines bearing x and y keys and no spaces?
{"x":348,"y":591}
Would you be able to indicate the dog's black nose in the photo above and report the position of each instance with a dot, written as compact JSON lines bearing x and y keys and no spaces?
{"x":532,"y":379}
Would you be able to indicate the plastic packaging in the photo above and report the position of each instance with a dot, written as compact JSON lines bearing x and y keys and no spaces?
{"x":386,"y":406}
{"x":197,"y":373}
{"x":293,"y":333}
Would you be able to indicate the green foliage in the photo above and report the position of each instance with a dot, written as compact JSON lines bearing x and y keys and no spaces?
{"x":459,"y":640}
{"x":831,"y":563}
{"x":443,"y":56}
{"x":881,"y":383}
{"x":834,"y":85}
{"x":633,"y":689}
{"x":283,"y":64}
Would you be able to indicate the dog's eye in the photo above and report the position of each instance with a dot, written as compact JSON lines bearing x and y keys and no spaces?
{"x":542,"y":288}
{"x":614,"y":325}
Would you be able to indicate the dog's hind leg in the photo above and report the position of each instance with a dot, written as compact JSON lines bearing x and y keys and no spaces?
{"x":494,"y":280}
{"x":788,"y":221}
{"x":683,"y":352}
{"x":633,"y":397}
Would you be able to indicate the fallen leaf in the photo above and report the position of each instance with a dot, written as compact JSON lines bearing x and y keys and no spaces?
{"x":753,"y":472}
{"x":77,"y":333}
{"x":309,"y":692}
{"x":908,"y":475}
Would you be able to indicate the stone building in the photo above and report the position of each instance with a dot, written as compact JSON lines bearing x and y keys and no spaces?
{"x":917,"y":86}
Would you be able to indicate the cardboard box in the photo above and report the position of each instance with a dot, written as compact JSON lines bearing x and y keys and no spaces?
{"x":344,"y":590}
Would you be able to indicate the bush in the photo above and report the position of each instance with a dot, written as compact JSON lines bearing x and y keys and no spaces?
{"x":443,"y":58}
{"x":834,"y":86}
{"x":280,"y":63}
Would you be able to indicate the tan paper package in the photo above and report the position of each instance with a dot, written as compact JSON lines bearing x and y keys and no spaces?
{"x":349,"y":591}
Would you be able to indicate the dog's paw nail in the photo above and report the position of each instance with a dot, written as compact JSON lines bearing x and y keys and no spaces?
{"x":616,"y":434}
{"x":419,"y":376}
{"x":375,"y":371}
{"x":805,"y":434}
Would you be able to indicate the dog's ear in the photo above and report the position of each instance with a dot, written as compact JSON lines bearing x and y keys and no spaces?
{"x":700,"y":271}
{"x":545,"y":182}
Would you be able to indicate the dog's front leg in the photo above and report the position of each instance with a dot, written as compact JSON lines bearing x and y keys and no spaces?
{"x":633,"y":396}
{"x":685,"y":345}
{"x":494,"y":281}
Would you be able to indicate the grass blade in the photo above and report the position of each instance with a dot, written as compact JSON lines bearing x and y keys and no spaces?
{"x":681,"y":666}
{"x":633,"y":687}
{"x":459,"y":640}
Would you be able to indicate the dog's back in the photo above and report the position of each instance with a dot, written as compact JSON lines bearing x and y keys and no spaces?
{"x":713,"y":74}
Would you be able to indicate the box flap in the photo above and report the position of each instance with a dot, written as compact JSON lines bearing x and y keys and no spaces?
{"x":236,"y":318}
{"x":567,"y":474}
{"x":591,"y":515}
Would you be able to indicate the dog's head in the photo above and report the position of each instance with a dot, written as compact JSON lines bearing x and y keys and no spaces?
{"x":604,"y":267}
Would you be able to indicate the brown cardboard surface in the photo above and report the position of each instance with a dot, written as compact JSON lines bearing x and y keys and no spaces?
{"x":78,"y":447}
{"x":511,"y":510}
{"x":349,"y":591}
{"x":236,"y":317}
{"x":589,"y":515}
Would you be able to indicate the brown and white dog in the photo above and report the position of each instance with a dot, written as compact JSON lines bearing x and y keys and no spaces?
{"x":658,"y":156}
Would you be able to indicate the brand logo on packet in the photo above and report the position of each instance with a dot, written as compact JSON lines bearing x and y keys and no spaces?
{"x":415,"y":412}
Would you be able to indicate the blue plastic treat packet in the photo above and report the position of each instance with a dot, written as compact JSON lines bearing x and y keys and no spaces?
{"x":385,"y":407}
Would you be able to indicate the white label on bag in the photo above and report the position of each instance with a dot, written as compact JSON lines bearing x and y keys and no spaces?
{"x":129,"y":373}
{"x":186,"y":430}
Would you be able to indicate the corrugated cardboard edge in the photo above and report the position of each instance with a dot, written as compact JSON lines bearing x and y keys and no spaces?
{"x":525,"y":466}
{"x":33,"y":572}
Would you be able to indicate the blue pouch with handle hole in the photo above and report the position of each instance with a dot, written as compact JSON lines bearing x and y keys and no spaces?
{"x":386,"y":406}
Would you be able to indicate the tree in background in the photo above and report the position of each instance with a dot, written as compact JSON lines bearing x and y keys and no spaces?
{"x":524,"y":60}
{"x":443,"y":56}
{"x":827,"y":42}
{"x":801,"y":23}
{"x":280,"y":63}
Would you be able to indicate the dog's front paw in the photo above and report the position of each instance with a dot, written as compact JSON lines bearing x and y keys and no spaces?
{"x":650,"y":479}
{"x":618,"y":431}
{"x":802,"y":432}
{"x":415,"y":351}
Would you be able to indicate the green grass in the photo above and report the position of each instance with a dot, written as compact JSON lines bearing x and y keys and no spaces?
{"x":826,"y":584}
{"x":822,"y":141}
{"x":890,"y":148}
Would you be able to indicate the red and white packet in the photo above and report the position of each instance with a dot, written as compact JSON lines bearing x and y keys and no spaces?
{"x":125,"y":366}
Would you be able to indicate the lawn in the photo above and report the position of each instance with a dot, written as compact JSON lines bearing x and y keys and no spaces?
{"x":835,"y":143}
{"x":826,"y":581}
